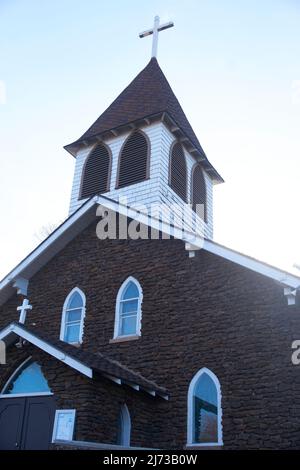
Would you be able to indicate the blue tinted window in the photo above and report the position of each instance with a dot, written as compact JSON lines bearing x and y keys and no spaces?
{"x":73,"y":318}
{"x":72,"y":333}
{"x":131,"y":291}
{"x":75,"y":301}
{"x":128,"y":325}
{"x":30,"y":379}
{"x":205,"y":426}
{"x":129,"y":307}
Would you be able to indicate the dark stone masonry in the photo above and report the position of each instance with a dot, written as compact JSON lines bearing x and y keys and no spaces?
{"x":196,"y":312}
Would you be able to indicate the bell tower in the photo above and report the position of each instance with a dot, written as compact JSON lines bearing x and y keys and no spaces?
{"x":143,"y":148}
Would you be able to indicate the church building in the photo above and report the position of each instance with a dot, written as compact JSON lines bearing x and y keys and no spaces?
{"x":164,"y":341}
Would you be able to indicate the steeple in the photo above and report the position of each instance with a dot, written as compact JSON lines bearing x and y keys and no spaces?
{"x":144,"y":148}
{"x":148,"y":97}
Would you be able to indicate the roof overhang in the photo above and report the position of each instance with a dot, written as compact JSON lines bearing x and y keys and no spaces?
{"x":87,"y":213}
{"x":171,"y":124}
{"x":14,"y":331}
{"x":46,"y":250}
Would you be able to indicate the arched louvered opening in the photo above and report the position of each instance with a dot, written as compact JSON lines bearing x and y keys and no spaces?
{"x":178,"y":171}
{"x":134,"y":160}
{"x":199,"y":192}
{"x":96,"y":172}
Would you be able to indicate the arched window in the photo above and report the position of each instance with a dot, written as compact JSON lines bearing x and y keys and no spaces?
{"x":199,"y":191}
{"x":204,"y":410}
{"x":26,"y":380}
{"x":73,"y":314}
{"x":134,"y":160}
{"x":124,"y":427}
{"x":96,"y":172}
{"x":178,"y":171}
{"x":128,"y":309}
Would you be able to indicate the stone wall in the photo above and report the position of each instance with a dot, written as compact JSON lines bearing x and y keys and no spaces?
{"x":197,"y":312}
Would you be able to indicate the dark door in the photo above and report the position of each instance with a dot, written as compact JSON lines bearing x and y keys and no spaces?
{"x":11,"y":422}
{"x":26,"y":423}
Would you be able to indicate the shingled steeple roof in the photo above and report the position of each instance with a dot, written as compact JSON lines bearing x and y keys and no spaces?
{"x":148,"y":95}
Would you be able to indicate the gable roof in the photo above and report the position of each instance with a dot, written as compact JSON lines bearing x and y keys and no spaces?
{"x":86,"y":214}
{"x":85,"y":362}
{"x":148,"y":95}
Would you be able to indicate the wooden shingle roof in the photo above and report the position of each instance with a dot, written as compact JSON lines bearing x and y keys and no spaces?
{"x":83,"y":361}
{"x":148,"y":94}
{"x":147,"y":98}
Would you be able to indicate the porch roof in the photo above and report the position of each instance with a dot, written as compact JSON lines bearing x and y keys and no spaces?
{"x":85,"y":362}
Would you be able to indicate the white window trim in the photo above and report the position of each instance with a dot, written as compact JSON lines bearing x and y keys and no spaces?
{"x":64,"y":311}
{"x":126,"y":426}
{"x":190,"y":405}
{"x":139,"y":310}
{"x":72,"y":413}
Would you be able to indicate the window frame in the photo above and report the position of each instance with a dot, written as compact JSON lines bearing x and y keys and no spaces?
{"x":174,"y":143}
{"x":190,"y":405}
{"x":64,"y":316}
{"x":118,"y":309}
{"x":194,"y":168}
{"x":14,"y":375}
{"x":82,"y":198}
{"x":125,"y":431}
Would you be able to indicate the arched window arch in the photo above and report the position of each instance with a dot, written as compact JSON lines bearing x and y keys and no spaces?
{"x":134,"y":160}
{"x":73,"y":314}
{"x":204,"y":410}
{"x":198,"y":190}
{"x":124,"y":427}
{"x":178,"y":170}
{"x":96,"y":172}
{"x":128,"y":309}
{"x":27,"y":379}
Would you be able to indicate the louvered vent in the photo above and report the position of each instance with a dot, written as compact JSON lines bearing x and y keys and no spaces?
{"x":178,"y":171}
{"x":199,"y":190}
{"x":95,"y":178}
{"x":133,"y":164}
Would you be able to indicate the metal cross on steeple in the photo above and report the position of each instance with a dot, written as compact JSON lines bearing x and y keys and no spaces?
{"x":23,"y":310}
{"x":155,"y":30}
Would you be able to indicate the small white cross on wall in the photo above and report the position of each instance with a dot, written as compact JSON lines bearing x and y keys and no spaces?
{"x":23,"y":310}
{"x":155,"y":30}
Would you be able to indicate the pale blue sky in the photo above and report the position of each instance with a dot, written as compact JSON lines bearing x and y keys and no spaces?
{"x":233,"y":64}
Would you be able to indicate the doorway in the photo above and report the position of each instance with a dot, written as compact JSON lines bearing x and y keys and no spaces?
{"x":27,"y":409}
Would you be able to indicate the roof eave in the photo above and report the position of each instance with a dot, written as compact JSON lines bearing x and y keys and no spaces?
{"x":196,"y":151}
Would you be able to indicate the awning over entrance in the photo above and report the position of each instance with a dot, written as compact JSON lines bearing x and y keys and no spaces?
{"x":85,"y":362}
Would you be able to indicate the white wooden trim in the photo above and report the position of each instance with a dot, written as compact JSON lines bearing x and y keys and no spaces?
{"x":57,"y":413}
{"x":47,"y":243}
{"x":252,"y":264}
{"x":126,"y":426}
{"x":285,"y":278}
{"x":98,"y":445}
{"x":190,"y":405}
{"x":64,"y":310}
{"x":199,"y":242}
{"x":139,"y":311}
{"x":20,"y":395}
{"x":53,"y":351}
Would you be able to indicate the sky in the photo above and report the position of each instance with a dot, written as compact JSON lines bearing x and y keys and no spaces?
{"x":234,"y":66}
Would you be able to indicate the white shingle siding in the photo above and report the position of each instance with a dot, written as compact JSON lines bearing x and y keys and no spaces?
{"x":156,"y":189}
